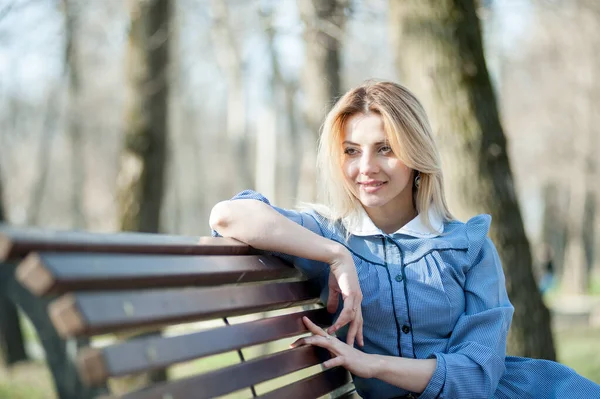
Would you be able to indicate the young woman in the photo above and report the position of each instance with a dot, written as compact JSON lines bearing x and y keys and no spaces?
{"x":423,"y":294}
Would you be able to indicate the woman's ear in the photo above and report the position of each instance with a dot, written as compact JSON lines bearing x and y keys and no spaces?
{"x":417,"y":178}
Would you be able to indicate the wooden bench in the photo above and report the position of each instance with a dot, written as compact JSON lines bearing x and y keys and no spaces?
{"x":96,"y":284}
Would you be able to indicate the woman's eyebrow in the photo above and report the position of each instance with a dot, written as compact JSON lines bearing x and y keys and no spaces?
{"x":385,"y":142}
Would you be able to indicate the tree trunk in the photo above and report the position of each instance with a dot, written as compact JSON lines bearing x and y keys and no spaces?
{"x":440,"y":57}
{"x":582,"y":179}
{"x":142,"y":169}
{"x":284,"y":168}
{"x":323,"y":34}
{"x":575,"y":275}
{"x":230,"y":60}
{"x":43,"y":154}
{"x":592,"y":231}
{"x":596,"y":241}
{"x":288,"y":156}
{"x":554,"y":222}
{"x":72,"y":21}
{"x":141,"y":179}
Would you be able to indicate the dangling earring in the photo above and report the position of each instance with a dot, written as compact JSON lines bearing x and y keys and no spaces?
{"x":417,"y":179}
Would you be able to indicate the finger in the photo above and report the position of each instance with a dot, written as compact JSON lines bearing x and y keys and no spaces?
{"x":346,"y":316}
{"x":360,"y":338}
{"x":313,"y":328}
{"x":359,"y":335}
{"x":298,"y":342}
{"x":333,"y":301}
{"x":323,"y":342}
{"x":352,"y":332}
{"x":334,"y":362}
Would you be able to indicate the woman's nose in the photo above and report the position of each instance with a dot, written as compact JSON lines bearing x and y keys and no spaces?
{"x":368,"y":165}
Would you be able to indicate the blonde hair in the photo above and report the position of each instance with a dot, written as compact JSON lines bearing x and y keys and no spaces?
{"x":410,"y":137}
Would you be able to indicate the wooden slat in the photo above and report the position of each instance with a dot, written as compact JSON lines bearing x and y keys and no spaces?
{"x":314,"y":386}
{"x":236,"y":377}
{"x":352,"y":394}
{"x":18,"y":242}
{"x":57,"y":273}
{"x":93,"y":313}
{"x":95,"y":365}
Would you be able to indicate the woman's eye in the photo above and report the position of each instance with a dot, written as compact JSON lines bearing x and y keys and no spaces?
{"x":385,"y":150}
{"x":350,"y":151}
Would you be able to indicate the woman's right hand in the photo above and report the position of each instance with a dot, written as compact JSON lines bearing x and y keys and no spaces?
{"x":248,"y":220}
{"x":343,"y":279}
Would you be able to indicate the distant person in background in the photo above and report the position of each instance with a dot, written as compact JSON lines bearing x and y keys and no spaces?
{"x":424,"y":295}
{"x":548,"y":279}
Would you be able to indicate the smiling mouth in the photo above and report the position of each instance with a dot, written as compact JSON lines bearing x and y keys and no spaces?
{"x":378,"y":184}
{"x":371,"y":188}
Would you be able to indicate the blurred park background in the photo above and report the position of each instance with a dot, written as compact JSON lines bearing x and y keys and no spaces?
{"x":142,"y":114}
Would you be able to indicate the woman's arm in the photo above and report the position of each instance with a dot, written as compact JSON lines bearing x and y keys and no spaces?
{"x":260,"y":226}
{"x":409,"y":374}
{"x":474,"y":361}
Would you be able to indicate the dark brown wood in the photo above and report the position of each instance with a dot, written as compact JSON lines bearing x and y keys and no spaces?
{"x":123,"y":281}
{"x":350,"y":395}
{"x":34,"y":275}
{"x":314,"y":386}
{"x":18,"y":242}
{"x":236,"y":377}
{"x":56,"y":273}
{"x":92,"y":366}
{"x":97,"y":364}
{"x":93,"y":313}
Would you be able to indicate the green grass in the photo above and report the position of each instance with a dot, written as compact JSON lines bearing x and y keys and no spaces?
{"x":26,"y":380}
{"x":20,"y":391}
{"x":580,"y":350}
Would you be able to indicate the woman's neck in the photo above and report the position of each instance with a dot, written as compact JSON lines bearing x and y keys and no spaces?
{"x":391,"y":220}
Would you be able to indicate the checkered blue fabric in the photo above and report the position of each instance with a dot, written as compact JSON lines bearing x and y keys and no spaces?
{"x":442,"y":298}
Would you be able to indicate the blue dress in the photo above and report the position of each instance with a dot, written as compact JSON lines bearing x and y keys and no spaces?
{"x":437,"y":295}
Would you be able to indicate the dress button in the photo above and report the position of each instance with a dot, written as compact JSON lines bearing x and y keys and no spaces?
{"x":405,"y":329}
{"x":398,"y":277}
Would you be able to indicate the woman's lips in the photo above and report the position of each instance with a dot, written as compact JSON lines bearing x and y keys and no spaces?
{"x":371,"y":186}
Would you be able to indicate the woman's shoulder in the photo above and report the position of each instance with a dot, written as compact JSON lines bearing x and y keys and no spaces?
{"x":477,"y":225}
{"x":473,"y":234}
{"x":251,"y":194}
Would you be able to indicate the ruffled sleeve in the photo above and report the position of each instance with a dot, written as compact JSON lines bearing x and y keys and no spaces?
{"x":309,"y":219}
{"x":475,"y":360}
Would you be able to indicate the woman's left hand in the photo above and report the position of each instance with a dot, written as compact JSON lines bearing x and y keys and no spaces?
{"x":353,"y":360}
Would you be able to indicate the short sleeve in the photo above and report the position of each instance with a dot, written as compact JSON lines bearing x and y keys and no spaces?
{"x":307,"y":219}
{"x":475,"y":360}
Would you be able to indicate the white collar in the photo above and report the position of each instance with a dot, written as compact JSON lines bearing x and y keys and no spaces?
{"x":364,"y":226}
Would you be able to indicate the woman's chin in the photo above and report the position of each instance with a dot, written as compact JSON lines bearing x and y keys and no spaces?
{"x":370,"y":202}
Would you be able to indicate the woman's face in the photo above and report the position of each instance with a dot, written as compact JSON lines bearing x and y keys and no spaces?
{"x":372,"y":171}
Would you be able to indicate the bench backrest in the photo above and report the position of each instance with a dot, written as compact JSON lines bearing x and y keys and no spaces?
{"x":106,"y":283}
